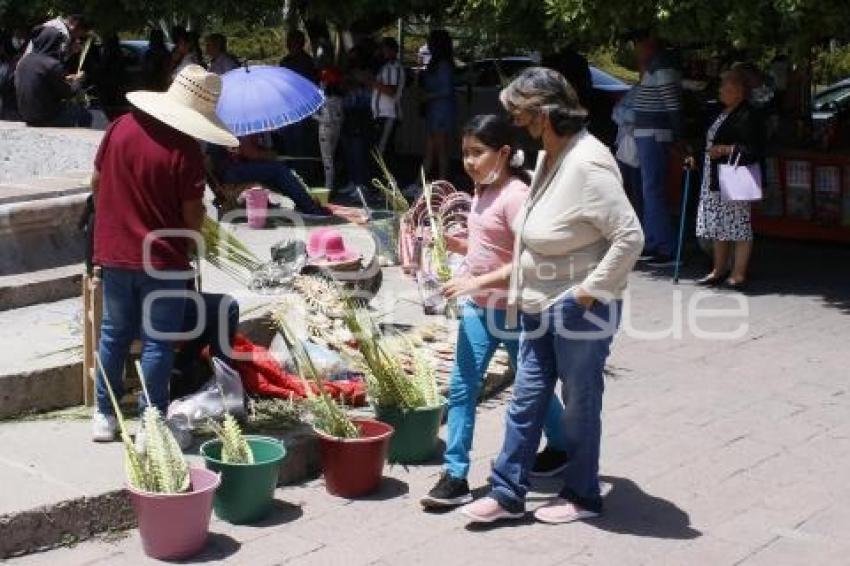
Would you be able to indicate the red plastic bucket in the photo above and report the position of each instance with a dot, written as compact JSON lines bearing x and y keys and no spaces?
{"x":176,"y":525}
{"x":353,"y":466}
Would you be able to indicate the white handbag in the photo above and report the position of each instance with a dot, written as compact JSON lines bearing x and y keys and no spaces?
{"x":739,"y":182}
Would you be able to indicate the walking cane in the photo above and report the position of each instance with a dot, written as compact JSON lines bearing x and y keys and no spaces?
{"x":682,"y":215}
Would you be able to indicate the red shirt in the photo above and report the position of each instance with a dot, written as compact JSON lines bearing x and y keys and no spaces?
{"x":147,"y":170}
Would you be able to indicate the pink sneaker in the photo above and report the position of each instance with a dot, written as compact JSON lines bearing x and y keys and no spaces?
{"x":562,"y":511}
{"x":488,"y":510}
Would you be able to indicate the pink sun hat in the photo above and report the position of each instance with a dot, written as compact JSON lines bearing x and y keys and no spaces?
{"x":329,"y":245}
{"x":316,"y":242}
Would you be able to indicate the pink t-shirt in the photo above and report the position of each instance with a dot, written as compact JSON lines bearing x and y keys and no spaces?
{"x":491,"y":237}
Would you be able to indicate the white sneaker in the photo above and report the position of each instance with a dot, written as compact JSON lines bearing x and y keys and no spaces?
{"x":103,"y":427}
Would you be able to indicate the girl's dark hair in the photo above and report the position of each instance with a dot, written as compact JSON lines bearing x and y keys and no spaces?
{"x":440,"y":46}
{"x":496,"y":132}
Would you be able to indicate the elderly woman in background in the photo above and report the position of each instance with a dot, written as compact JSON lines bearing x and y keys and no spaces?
{"x":577,"y":240}
{"x":735,"y":136}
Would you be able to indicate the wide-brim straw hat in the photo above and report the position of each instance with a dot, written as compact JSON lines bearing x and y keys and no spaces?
{"x":188,"y":106}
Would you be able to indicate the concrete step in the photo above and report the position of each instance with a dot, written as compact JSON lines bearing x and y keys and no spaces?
{"x":42,"y":286}
{"x":41,"y":366}
{"x":40,"y":188}
{"x":42,"y":233}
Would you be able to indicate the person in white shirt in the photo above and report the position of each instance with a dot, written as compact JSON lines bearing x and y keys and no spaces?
{"x":220,"y":60}
{"x":387,"y":89}
{"x":186,"y":50}
{"x":423,"y":56}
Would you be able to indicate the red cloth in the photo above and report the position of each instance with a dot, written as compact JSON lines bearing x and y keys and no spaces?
{"x":262,"y":375}
{"x":147,"y":170}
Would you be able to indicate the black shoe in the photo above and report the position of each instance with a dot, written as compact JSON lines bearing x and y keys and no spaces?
{"x":661,"y":260}
{"x":449,"y":492}
{"x":739,"y":286}
{"x":548,"y":463}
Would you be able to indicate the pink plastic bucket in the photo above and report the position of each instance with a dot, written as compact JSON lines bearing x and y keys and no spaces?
{"x":175,"y":526}
{"x":257,"y":204}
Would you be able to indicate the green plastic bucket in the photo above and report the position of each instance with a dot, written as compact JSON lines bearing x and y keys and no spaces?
{"x":416,"y":431}
{"x":247,"y":490}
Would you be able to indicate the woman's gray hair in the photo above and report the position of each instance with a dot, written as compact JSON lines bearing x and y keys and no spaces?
{"x":542,"y":90}
{"x":745,"y":75}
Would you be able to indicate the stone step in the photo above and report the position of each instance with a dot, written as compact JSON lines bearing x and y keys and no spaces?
{"x":41,"y":365}
{"x":39,"y":188}
{"x":42,"y":286}
{"x":42,"y":234}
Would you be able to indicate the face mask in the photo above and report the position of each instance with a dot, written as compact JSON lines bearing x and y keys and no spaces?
{"x":494,"y":173}
{"x":17,"y":43}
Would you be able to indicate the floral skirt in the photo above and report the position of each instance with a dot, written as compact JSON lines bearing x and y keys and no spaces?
{"x":725,"y":221}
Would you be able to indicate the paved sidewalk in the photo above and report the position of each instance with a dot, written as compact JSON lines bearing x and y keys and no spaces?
{"x":716,"y":452}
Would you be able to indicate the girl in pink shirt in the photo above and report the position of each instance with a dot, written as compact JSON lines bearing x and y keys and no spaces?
{"x":493,"y":163}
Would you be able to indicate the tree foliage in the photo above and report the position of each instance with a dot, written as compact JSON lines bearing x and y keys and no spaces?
{"x":795,"y":24}
{"x":792,"y":24}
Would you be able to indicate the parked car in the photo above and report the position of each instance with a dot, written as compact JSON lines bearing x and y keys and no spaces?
{"x":831,"y":100}
{"x":831,"y":114}
{"x":477,"y":92}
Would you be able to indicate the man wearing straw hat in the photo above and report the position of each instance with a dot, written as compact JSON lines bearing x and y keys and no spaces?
{"x":148,"y":184}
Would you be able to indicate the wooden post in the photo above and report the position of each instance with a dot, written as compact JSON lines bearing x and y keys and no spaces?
{"x":92,"y":315}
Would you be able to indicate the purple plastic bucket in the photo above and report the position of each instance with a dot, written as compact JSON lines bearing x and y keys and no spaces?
{"x":176,"y":525}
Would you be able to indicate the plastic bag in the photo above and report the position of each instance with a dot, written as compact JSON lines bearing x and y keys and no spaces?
{"x":328,"y":363}
{"x":223,"y":392}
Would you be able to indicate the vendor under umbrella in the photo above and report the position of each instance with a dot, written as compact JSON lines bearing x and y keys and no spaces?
{"x":260,"y":99}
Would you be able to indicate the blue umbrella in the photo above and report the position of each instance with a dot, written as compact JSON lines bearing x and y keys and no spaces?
{"x":260,"y":98}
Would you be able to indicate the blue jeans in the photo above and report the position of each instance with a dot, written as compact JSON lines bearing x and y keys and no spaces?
{"x":562,"y":341}
{"x":276,"y":176}
{"x":653,"y":156}
{"x":476,"y":345}
{"x":124,"y":293}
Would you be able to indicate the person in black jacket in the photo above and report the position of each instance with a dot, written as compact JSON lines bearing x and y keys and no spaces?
{"x":735,"y":136}
{"x":43,"y":90}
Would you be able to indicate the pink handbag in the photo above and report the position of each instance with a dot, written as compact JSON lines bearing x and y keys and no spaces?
{"x":739,"y":182}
